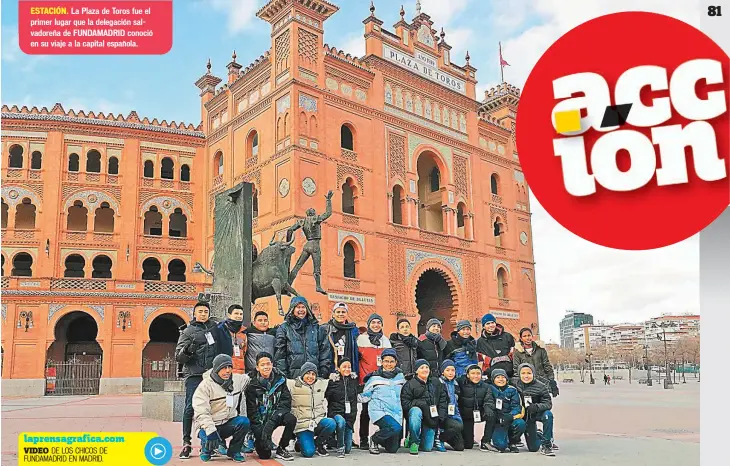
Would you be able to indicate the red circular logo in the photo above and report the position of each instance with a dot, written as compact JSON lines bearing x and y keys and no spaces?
{"x":623,"y":129}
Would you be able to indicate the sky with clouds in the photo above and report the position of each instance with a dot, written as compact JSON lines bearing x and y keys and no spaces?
{"x":616,"y":286}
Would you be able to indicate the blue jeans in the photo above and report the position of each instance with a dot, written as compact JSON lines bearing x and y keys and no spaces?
{"x":344,"y":434}
{"x":309,"y":440}
{"x":389,"y":433}
{"x":236,"y":428}
{"x":423,"y":436}
{"x":502,"y":439}
{"x":532,"y":438}
{"x":191,"y":383}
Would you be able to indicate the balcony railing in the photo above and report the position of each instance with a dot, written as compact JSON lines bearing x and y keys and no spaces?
{"x":90,"y":177}
{"x":171,"y":242}
{"x":100,"y":285}
{"x":160,"y":183}
{"x":496,"y":199}
{"x":91,"y":238}
{"x":347,"y":154}
{"x":19,"y":234}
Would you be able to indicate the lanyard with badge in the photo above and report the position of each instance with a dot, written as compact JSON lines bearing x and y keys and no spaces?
{"x":209,"y":338}
{"x":236,"y":348}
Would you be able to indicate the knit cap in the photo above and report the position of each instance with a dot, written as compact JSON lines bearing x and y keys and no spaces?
{"x":525,"y":364}
{"x":389,"y":352}
{"x":419,"y":363}
{"x":488,"y":318}
{"x":497,"y":372}
{"x":431,"y":322}
{"x":462,"y":324}
{"x":373,"y":317}
{"x":307,"y":367}
{"x":446,"y":364}
{"x":342,"y":361}
{"x":221,"y":361}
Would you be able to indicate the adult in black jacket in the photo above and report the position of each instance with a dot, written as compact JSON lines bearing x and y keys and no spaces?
{"x":431,"y":346}
{"x":405,"y":345}
{"x":300,"y":339}
{"x":195,"y":350}
{"x":462,"y":348}
{"x":538,"y":404}
{"x":268,"y":405}
{"x":341,"y":395}
{"x":495,"y":347}
{"x":260,"y":338}
{"x":425,"y":400}
{"x":474,"y":407}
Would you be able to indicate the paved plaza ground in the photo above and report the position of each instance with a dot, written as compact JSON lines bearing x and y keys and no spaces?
{"x":621,"y":424}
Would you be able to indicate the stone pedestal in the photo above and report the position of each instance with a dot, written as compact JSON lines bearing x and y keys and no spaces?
{"x":23,"y":387}
{"x":167,"y":405}
{"x":120,"y":385}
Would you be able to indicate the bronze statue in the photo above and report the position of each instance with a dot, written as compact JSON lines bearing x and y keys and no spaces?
{"x":311,"y":225}
{"x":270,"y":272}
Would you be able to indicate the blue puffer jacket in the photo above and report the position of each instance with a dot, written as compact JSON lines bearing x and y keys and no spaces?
{"x":382,"y":393}
{"x":454,"y":390}
{"x":511,"y":401}
{"x":299,"y":341}
{"x":463,"y":351}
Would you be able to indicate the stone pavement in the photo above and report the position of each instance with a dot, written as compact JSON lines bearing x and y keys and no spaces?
{"x":613,"y":425}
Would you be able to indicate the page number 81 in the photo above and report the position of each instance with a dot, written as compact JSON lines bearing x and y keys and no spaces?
{"x":714,"y":11}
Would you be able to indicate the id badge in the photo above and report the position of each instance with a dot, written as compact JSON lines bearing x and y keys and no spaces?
{"x":499,"y":403}
{"x":230,"y":403}
{"x":312,"y":425}
{"x":340,"y":351}
{"x":477,"y":416}
{"x":528,"y":401}
{"x":434,"y":411}
{"x":452,"y":410}
{"x":348,"y":409}
{"x":379,"y":361}
{"x":209,"y":337}
{"x":237,"y":351}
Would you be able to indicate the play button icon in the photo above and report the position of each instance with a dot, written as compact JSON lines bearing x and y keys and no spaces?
{"x":158,"y":451}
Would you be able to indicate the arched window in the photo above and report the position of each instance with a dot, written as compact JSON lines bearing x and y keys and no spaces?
{"x":348,"y":251}
{"x":5,"y":211}
{"x":151,"y":269}
{"x":494,"y":183}
{"x":348,"y":197}
{"x":178,"y":224}
{"x":2,"y":266}
{"x":253,"y":144}
{"x":397,"y":205}
{"x":113,"y":166}
{"x":218,"y":163}
{"x":498,"y":230}
{"x":255,"y":203}
{"x":346,"y":139}
{"x":73,"y":162}
{"x":22,"y":265}
{"x":313,"y":127}
{"x":25,"y":215}
{"x":76,"y":219}
{"x":185,"y":173}
{"x":435,"y":179}
{"x":149,"y":169}
{"x":74,"y":266}
{"x":502,"y":283}
{"x":93,"y":161}
{"x":15,"y":159}
{"x":101,"y":267}
{"x":153,"y":222}
{"x":460,"y":216}
{"x":36,"y":160}
{"x":167,"y":169}
{"x":176,"y":271}
{"x":104,"y":219}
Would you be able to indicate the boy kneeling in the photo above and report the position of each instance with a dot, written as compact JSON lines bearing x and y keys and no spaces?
{"x":313,"y":427}
{"x":220,"y":409}
{"x":508,"y":408}
{"x":538,"y":403}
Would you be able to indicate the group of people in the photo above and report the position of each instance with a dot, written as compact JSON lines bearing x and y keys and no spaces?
{"x":312,"y":380}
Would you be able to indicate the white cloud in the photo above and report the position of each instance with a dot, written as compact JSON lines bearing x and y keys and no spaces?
{"x":240,"y":13}
{"x":571,"y":273}
{"x":459,"y":40}
{"x":353,"y":44}
{"x":440,"y":11}
{"x":97,"y":105}
{"x":13,"y":56}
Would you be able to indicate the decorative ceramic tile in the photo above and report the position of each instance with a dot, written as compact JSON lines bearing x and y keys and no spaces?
{"x":414,"y":257}
{"x":308,"y":103}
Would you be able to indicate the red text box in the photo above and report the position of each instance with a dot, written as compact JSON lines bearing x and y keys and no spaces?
{"x":95,"y":27}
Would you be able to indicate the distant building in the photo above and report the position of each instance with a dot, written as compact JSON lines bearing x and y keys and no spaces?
{"x":590,"y":336}
{"x":572,"y":320}
{"x":674,"y":326}
{"x":626,"y":336}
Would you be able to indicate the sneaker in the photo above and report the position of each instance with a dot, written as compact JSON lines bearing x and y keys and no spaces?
{"x":374,"y":448}
{"x":364,"y":444}
{"x":322,"y":451}
{"x":546,"y":450}
{"x":238,"y":458}
{"x":249,"y":445}
{"x":555,"y":447}
{"x":486,"y":446}
{"x":439,"y":445}
{"x":406,"y":442}
{"x":187,"y":449}
{"x":222,"y":450}
{"x":355,"y":446}
{"x":519,"y":444}
{"x":205,"y":456}
{"x":341,"y":452}
{"x":414,"y":449}
{"x":514,"y":449}
{"x":283,"y":454}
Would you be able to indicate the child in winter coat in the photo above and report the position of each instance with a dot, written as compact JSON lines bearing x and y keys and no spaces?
{"x":509,"y":412}
{"x":313,"y":427}
{"x":452,"y":426}
{"x":538,"y":404}
{"x":462,"y":348}
{"x":476,"y":404}
{"x":425,"y":402}
{"x":341,"y":398}
{"x":370,"y":346}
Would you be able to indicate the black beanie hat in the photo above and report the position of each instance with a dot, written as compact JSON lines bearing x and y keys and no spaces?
{"x":342,"y":361}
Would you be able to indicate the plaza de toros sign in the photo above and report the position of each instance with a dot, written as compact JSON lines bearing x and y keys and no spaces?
{"x":426,"y":66}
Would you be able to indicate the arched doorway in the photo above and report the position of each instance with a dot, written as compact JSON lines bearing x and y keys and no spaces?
{"x":73,"y":361}
{"x":158,"y":355}
{"x":434,"y":299}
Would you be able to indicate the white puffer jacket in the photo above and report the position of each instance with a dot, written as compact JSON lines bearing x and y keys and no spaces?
{"x":209,"y":402}
{"x":307,"y":402}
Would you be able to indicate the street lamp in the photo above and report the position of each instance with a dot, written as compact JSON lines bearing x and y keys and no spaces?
{"x":663,"y":337}
{"x":590,"y":367}
{"x":646,"y":363}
